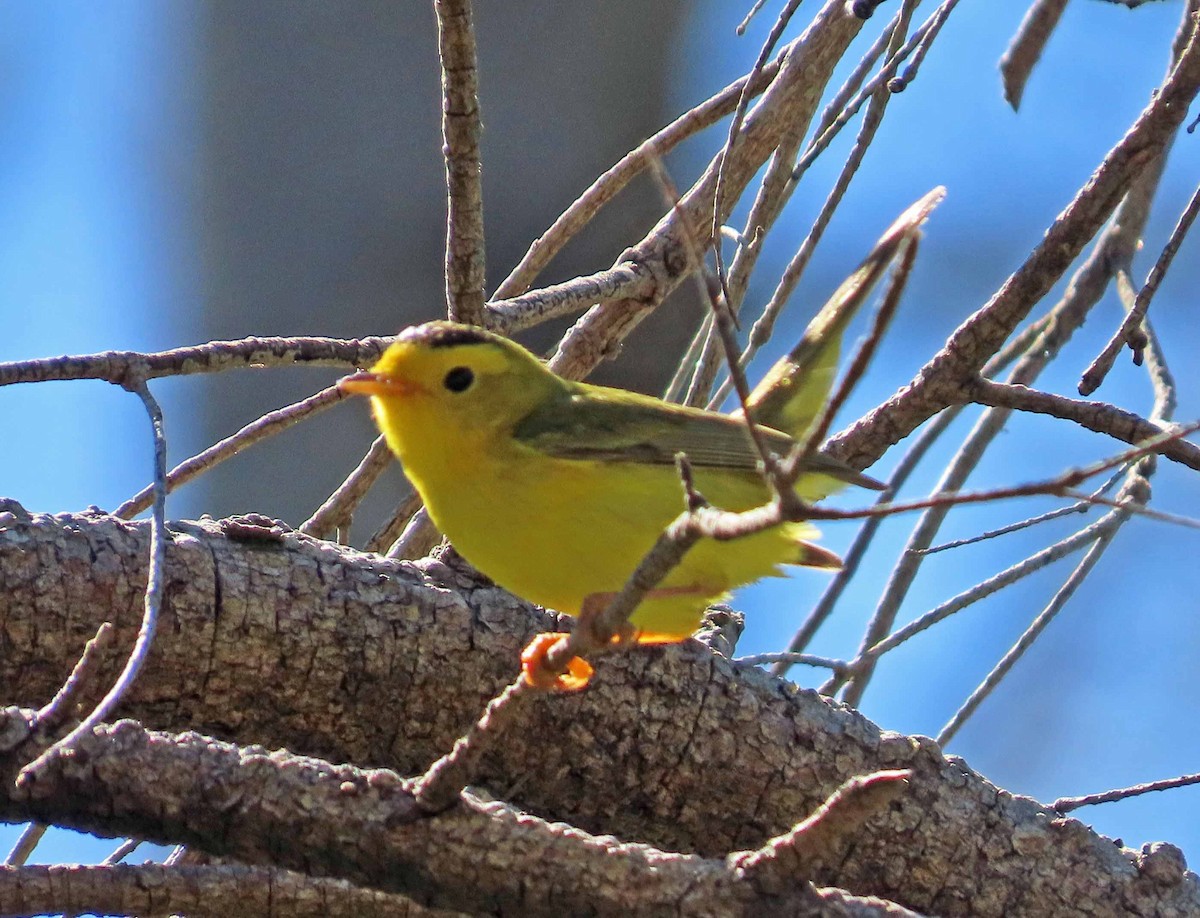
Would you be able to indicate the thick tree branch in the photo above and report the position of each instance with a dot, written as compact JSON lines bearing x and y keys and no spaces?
{"x":153,"y":890}
{"x":353,"y":658}
{"x":338,"y":821}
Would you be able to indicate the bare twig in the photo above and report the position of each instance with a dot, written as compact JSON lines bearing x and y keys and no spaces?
{"x":1060,"y":485}
{"x":969,"y":347}
{"x":460,"y":138}
{"x":763,"y":326}
{"x":790,"y":99}
{"x":722,"y":320}
{"x":857,"y":366}
{"x":1022,"y":55}
{"x":122,"y":851}
{"x":1098,"y":416}
{"x":936,"y":21}
{"x":418,"y":537}
{"x":1130,"y":333}
{"x":735,"y":128}
{"x":441,"y":784}
{"x":885,"y":78}
{"x":606,"y":187}
{"x":1026,"y":640}
{"x":387,"y":534}
{"x":827,"y":832}
{"x":1133,"y":496}
{"x":994,"y":322}
{"x":792,"y":659}
{"x":268,"y":425}
{"x":337,"y":510}
{"x":154,"y":585}
{"x":994,"y":584}
{"x":852,"y":559}
{"x":1081,"y":506}
{"x":1067,"y":804}
{"x":25,"y":844}
{"x":620,"y":282}
{"x":56,"y":711}
{"x":214,"y":357}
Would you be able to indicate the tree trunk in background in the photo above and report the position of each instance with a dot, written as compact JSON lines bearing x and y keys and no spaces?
{"x":322,"y":202}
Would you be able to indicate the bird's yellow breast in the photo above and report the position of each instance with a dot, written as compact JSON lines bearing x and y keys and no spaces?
{"x":559,"y":530}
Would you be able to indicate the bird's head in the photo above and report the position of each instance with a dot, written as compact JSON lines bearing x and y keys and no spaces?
{"x":442,"y":376}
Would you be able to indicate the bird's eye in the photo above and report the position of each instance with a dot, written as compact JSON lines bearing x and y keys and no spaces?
{"x":459,"y":379}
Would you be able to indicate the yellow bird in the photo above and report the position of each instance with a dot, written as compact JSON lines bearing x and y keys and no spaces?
{"x":556,"y":489}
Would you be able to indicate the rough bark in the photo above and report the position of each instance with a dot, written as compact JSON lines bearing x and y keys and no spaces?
{"x":329,"y":652}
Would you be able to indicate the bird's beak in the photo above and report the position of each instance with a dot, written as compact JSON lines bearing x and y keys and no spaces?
{"x":365,"y":382}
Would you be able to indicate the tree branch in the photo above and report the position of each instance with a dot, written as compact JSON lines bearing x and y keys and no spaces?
{"x":354,"y":658}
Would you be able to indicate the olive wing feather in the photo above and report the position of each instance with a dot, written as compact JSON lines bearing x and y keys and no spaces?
{"x":617,"y":426}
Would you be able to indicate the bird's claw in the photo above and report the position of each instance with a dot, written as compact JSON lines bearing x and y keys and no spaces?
{"x":537,"y":674}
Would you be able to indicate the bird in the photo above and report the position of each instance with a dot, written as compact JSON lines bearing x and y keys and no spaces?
{"x":555,"y":489}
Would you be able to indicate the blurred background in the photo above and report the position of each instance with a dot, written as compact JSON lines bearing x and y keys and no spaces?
{"x":176,"y":173}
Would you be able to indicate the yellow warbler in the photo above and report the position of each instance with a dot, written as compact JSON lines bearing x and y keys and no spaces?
{"x":556,"y":489}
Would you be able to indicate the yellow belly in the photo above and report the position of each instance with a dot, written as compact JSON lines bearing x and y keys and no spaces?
{"x":556,"y":531}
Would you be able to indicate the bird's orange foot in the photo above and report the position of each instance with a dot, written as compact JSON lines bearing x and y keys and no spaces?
{"x":533,"y":666}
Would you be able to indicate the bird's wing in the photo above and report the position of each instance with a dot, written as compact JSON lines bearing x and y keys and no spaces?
{"x":592,"y":422}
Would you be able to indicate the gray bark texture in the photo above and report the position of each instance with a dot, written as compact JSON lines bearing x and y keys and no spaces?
{"x":329,"y":653}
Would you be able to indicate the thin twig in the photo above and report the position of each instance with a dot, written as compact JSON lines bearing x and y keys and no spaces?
{"x":1129,"y":333}
{"x":339,"y":507}
{"x":806,"y":67}
{"x":1081,"y":506}
{"x":1133,"y":496}
{"x":1024,"y":568}
{"x":827,"y":832}
{"x":620,"y":282}
{"x":1023,"y":53}
{"x":735,"y":128}
{"x":155,"y":578}
{"x":856,"y":368}
{"x":57,"y":710}
{"x":214,"y":357}
{"x":444,"y":780}
{"x":1059,"y":485}
{"x":122,"y":851}
{"x":268,"y":425}
{"x":722,"y":321}
{"x":1114,"y":248}
{"x":936,"y":21}
{"x":1067,"y":804}
{"x":1097,"y":416}
{"x":976,"y":339}
{"x":881,"y":79}
{"x":606,"y":187}
{"x":387,"y":534}
{"x":792,"y":659}
{"x":745,"y":23}
{"x":461,"y":131}
{"x":25,"y":844}
{"x":761,"y":330}
{"x":925,"y":440}
{"x":1031,"y":634}
{"x":420,"y":535}
{"x":852,"y":559}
